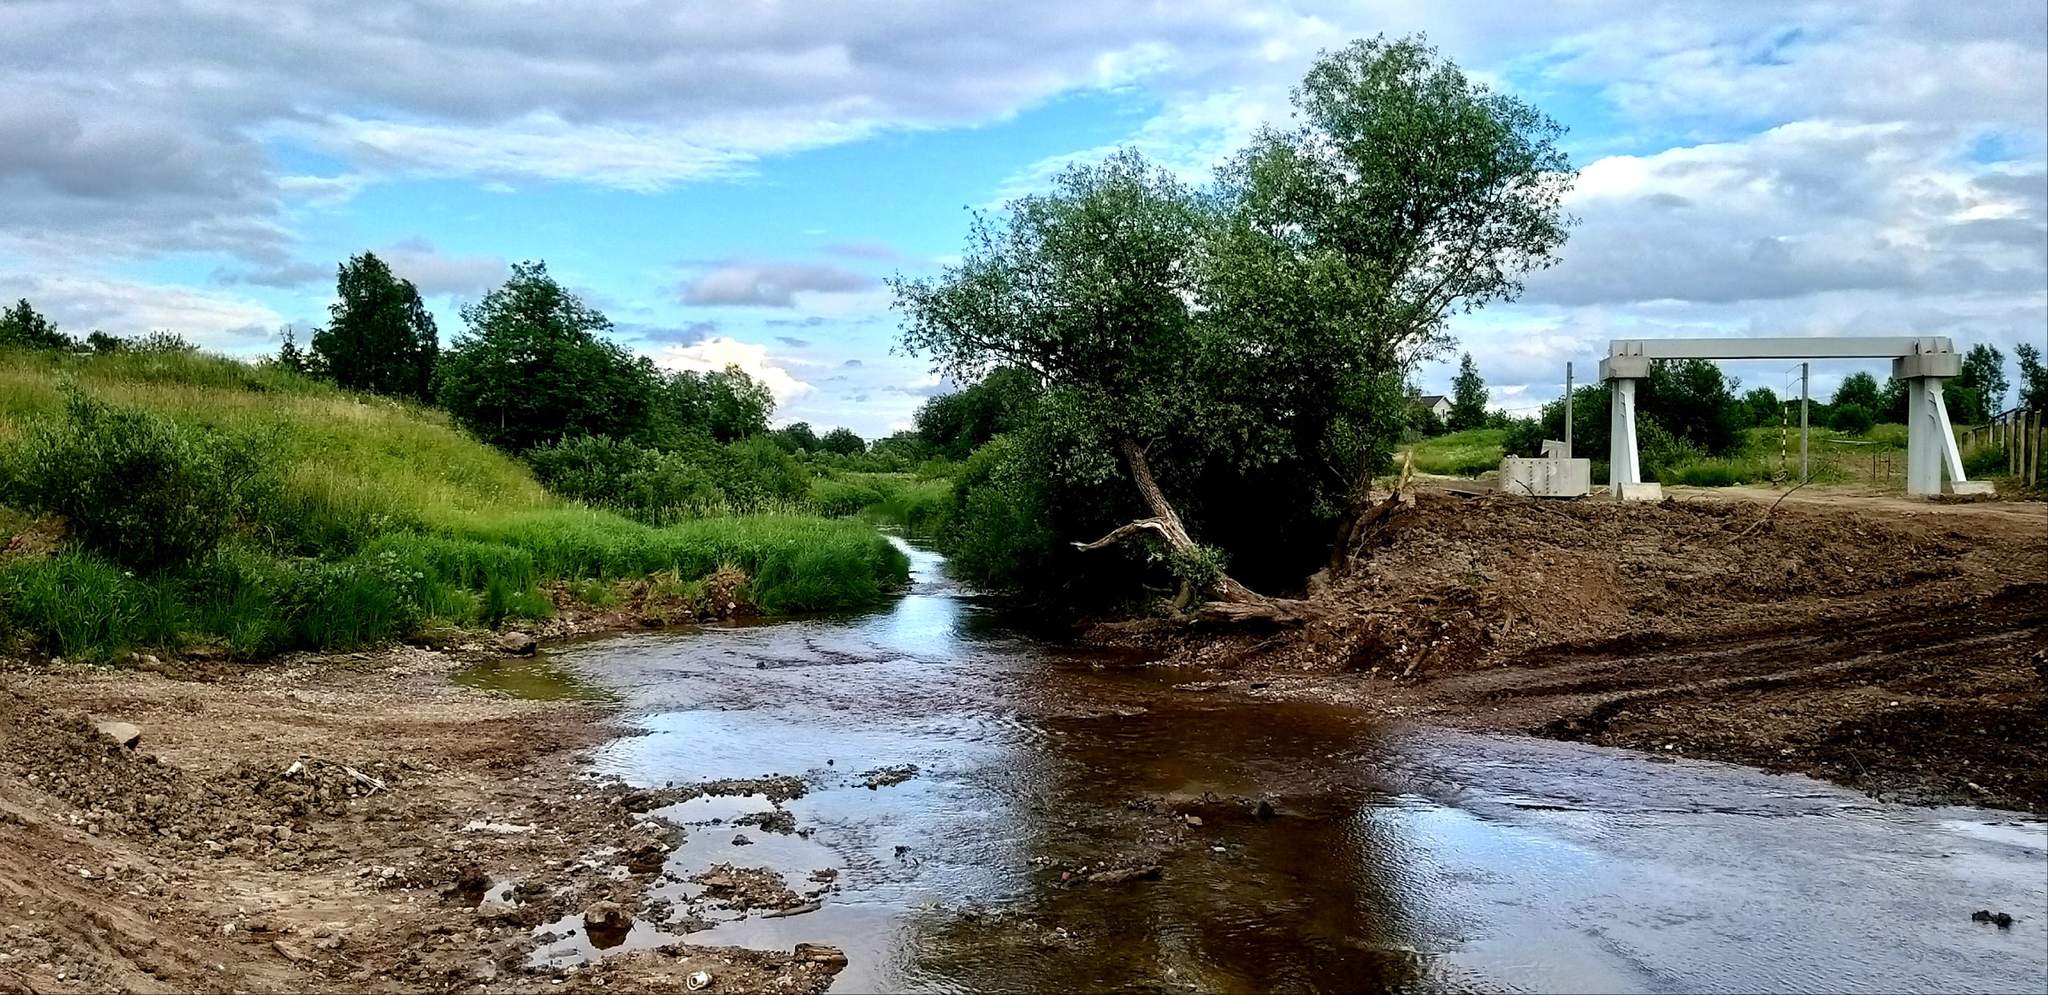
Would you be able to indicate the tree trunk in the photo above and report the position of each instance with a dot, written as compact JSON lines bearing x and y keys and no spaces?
{"x":1166,"y":522}
{"x":1360,"y":512}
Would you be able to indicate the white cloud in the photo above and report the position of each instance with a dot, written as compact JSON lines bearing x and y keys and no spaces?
{"x":770,"y":284}
{"x":723,"y":351}
{"x":213,"y":320}
{"x":436,"y":272}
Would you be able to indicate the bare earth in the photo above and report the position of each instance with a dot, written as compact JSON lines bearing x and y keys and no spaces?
{"x":330,"y":824}
{"x":201,"y":861}
{"x":1892,"y":645}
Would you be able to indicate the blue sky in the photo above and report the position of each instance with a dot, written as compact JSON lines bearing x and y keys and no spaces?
{"x":731,"y":183}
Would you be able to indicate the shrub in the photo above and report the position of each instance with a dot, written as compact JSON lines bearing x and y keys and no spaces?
{"x":134,"y":486}
{"x":838,"y":497}
{"x":999,"y":531}
{"x":661,"y":486}
{"x":1985,"y":462}
{"x":1853,"y":419}
{"x":1525,"y":438}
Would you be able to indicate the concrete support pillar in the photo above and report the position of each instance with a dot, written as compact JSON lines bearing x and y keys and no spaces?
{"x":1624,"y":464}
{"x":1925,"y":420}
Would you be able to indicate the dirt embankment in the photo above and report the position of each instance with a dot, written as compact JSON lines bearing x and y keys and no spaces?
{"x":359,"y":824}
{"x":1898,"y":647}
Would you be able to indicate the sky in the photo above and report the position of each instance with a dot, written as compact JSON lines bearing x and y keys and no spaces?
{"x":733,"y":182}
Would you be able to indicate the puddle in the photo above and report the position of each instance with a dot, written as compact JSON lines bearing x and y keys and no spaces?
{"x":1384,"y":857}
{"x":536,"y":677}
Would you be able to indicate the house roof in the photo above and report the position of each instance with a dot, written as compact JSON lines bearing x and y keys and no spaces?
{"x":1429,"y":400}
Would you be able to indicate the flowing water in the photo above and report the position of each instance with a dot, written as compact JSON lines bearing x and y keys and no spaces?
{"x":1392,"y":858}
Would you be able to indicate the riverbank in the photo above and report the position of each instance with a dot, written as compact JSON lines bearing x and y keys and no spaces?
{"x":1894,"y":646}
{"x":998,"y":812}
{"x":319,"y":824}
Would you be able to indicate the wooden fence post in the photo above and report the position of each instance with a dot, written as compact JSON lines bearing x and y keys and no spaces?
{"x":2034,"y":471}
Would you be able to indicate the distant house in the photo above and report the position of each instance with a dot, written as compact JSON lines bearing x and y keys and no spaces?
{"x":1437,"y":404}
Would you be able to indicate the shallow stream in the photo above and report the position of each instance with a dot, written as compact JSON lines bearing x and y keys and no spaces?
{"x":1386,"y":857}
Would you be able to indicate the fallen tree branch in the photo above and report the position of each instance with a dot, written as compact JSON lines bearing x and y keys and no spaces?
{"x":1125,"y":531}
{"x":1768,"y":512}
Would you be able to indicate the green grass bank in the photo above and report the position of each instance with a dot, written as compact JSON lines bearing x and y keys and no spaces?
{"x":167,"y":500}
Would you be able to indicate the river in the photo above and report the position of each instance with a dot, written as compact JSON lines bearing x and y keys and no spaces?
{"x":1390,"y":858}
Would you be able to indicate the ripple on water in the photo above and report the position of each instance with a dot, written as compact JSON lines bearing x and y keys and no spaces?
{"x":1400,"y":858}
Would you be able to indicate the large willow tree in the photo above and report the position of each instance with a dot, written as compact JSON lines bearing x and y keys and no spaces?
{"x":1267,"y":322}
{"x":1406,"y":194}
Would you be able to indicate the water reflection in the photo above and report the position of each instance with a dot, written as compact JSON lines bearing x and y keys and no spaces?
{"x":1393,"y":858}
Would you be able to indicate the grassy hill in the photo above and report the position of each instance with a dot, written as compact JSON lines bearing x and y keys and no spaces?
{"x":366,"y":518}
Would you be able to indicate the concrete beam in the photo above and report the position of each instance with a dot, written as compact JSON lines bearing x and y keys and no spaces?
{"x":1927,"y":364}
{"x":1798,"y":347}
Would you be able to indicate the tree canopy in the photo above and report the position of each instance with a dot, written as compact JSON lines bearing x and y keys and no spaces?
{"x":728,"y":405}
{"x":1260,"y":329}
{"x":1860,"y":389}
{"x":2033,"y":377}
{"x":533,"y":367}
{"x":22,"y":326}
{"x":1978,"y":391}
{"x":1468,"y":397}
{"x":379,"y":337}
{"x":844,"y":442}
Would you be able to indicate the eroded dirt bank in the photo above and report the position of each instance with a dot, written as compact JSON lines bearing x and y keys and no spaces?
{"x":349,"y":824}
{"x":1898,"y":647}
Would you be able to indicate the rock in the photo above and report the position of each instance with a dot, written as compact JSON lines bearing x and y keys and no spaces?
{"x":605,"y":915}
{"x":740,"y":839}
{"x":1999,"y":919}
{"x":497,"y":905}
{"x":124,"y":734}
{"x":515,"y":643}
{"x":1149,"y":872}
{"x":883,"y":777}
{"x":1265,"y":809}
{"x":1192,"y":820}
{"x":819,"y":953}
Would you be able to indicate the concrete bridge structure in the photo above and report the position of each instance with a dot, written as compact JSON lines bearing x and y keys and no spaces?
{"x":1922,"y":362}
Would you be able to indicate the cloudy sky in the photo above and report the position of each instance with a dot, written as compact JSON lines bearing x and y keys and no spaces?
{"x":731,"y":181}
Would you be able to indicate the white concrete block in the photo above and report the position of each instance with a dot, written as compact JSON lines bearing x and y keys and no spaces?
{"x":1971,"y":487}
{"x":1651,"y":491}
{"x":1546,"y":477}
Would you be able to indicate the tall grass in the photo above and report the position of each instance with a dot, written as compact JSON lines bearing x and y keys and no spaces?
{"x":1460,"y":454}
{"x":915,"y":505}
{"x":385,"y":517}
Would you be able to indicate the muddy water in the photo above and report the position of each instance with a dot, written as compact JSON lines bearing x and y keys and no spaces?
{"x":1393,"y":858}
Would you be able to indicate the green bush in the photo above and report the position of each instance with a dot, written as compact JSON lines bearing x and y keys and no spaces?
{"x":998,"y":531}
{"x":1713,"y":472}
{"x":136,"y":487}
{"x":796,"y":563}
{"x":840,"y":496}
{"x":1853,"y":419}
{"x":918,"y":509}
{"x":658,"y":486}
{"x":1985,"y":462}
{"x":1524,"y":438}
